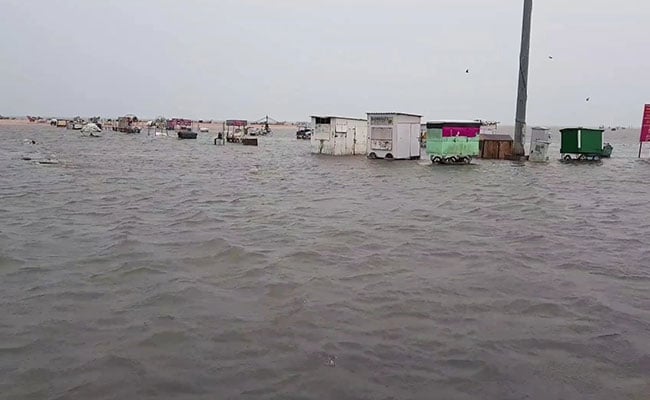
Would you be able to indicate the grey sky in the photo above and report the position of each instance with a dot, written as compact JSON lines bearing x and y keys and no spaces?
{"x":292,"y":58}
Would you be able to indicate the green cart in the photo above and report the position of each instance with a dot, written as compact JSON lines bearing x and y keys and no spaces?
{"x":583,"y":144}
{"x":453,"y":142}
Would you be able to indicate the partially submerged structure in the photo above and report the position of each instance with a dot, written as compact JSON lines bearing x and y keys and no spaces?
{"x":452,"y":141}
{"x":304,"y":133}
{"x":496,"y":147}
{"x":235,"y":130}
{"x":186,"y":134}
{"x":394,"y":136}
{"x":338,"y":136}
{"x":540,"y":140}
{"x":584,"y":143}
{"x":177,"y":124}
{"x":127,"y":124}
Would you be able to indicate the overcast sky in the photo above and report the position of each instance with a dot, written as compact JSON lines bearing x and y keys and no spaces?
{"x":289,"y":59}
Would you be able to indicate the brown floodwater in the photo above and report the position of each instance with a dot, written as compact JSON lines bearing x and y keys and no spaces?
{"x":138,"y":267}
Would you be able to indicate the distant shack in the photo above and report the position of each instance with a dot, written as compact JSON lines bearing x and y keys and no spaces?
{"x":496,"y":146}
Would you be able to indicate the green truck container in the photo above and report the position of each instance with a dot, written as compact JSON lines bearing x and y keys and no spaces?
{"x":584,"y":144}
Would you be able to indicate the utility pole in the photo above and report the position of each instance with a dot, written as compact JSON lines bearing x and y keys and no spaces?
{"x":522,"y":94}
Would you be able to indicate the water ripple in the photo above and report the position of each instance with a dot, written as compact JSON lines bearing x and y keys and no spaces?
{"x":147,"y":268}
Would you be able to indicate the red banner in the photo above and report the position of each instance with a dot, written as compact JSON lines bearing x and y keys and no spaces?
{"x":645,"y":126}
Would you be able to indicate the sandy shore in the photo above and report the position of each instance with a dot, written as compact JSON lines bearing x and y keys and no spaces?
{"x":19,"y":122}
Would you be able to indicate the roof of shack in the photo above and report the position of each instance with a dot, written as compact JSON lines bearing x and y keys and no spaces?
{"x":339,"y":117}
{"x":394,"y":113}
{"x":582,"y":129}
{"x":457,"y":123}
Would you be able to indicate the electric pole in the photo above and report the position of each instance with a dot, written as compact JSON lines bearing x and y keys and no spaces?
{"x":522,"y":94}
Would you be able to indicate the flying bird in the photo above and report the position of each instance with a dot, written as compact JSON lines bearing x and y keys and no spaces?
{"x":467,"y":71}
{"x":550,"y":57}
{"x":588,"y":98}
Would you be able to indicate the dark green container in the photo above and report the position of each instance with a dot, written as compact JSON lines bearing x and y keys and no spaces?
{"x":582,"y":141}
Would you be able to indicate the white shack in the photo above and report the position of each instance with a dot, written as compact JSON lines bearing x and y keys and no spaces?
{"x":394,"y":136}
{"x":339,"y":136}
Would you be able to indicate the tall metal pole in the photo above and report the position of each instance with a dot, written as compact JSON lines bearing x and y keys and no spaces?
{"x":522,"y":94}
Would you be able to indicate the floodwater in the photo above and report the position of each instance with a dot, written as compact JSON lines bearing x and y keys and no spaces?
{"x":153,"y":268}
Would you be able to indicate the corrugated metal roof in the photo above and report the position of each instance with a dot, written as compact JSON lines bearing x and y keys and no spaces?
{"x":394,"y":113}
{"x":496,"y":137}
{"x":581,"y":127}
{"x":454,"y":121}
{"x":339,"y":117}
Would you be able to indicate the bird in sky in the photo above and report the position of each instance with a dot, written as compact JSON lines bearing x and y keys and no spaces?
{"x":467,"y":71}
{"x":550,"y":57}
{"x":588,"y":98}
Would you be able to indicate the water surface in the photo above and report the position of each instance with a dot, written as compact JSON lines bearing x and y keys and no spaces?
{"x":149,"y":268}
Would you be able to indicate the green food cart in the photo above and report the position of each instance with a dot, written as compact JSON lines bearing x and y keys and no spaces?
{"x":583,"y":144}
{"x":451,"y":142}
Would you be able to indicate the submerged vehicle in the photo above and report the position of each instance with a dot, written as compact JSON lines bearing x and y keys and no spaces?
{"x":304,"y":133}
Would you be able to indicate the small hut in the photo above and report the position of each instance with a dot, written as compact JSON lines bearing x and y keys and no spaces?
{"x":394,"y":136}
{"x":338,"y":136}
{"x":496,"y":146}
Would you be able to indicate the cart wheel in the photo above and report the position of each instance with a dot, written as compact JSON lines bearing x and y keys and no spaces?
{"x":372,"y":156}
{"x":581,"y":157}
{"x":596,"y":158}
{"x":436,"y":160}
{"x":467,"y":160}
{"x":568,"y":157}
